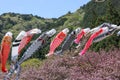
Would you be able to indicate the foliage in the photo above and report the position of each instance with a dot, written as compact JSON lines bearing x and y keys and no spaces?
{"x":98,"y":13}
{"x":90,"y":15}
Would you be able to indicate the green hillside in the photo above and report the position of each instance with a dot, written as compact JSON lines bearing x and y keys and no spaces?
{"x":90,"y":15}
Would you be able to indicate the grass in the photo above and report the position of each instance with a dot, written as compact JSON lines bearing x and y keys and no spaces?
{"x":32,"y":63}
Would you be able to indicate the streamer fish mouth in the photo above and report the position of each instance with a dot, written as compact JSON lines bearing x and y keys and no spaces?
{"x":9,"y":34}
{"x":77,"y":30}
{"x":51,"y":32}
{"x":35,"y":31}
{"x":66,"y":30}
{"x":118,"y":34}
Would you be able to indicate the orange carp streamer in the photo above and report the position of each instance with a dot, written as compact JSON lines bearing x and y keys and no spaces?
{"x":5,"y":50}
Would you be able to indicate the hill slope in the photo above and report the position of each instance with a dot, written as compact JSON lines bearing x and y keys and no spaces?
{"x":90,"y":15}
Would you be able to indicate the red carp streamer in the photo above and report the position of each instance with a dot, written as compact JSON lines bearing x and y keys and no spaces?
{"x":89,"y":42}
{"x":24,"y":42}
{"x":81,"y":34}
{"x":57,"y":41}
{"x":27,"y":38}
